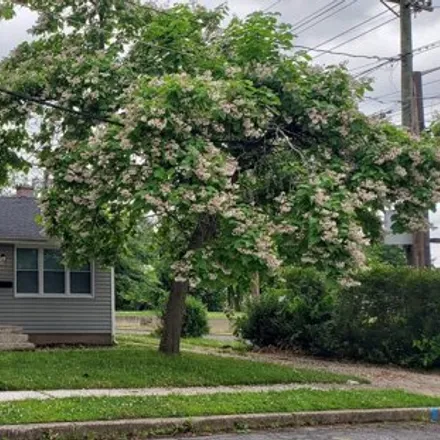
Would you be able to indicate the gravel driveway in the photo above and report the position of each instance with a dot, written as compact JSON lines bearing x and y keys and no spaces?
{"x":380,"y":376}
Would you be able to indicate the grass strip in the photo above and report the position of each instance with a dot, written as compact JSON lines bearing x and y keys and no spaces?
{"x":142,"y":367}
{"x":137,"y":314}
{"x":114,"y":408}
{"x":150,"y":313}
{"x":141,"y":340}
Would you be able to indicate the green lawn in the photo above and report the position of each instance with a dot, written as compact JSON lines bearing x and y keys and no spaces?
{"x":211,"y":315}
{"x":110,"y":408}
{"x":141,"y":340}
{"x":136,"y":313}
{"x":139,"y":367}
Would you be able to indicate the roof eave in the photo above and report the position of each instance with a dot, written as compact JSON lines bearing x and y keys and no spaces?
{"x":11,"y":240}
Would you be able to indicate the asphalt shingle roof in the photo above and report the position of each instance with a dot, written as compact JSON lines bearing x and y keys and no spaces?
{"x":17,"y":219}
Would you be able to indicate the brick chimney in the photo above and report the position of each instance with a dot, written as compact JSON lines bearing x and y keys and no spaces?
{"x":24,"y":191}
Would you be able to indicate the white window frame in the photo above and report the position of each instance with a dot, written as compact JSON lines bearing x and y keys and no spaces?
{"x":40,"y":248}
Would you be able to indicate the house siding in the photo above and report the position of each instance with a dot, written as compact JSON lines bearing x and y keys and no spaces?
{"x":62,"y":315}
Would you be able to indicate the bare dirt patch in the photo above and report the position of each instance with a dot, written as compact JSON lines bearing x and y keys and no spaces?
{"x":379,"y":376}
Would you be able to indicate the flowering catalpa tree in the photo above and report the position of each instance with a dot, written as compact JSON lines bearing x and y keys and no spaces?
{"x":244,"y":157}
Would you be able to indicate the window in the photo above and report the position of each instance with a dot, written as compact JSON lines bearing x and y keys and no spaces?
{"x":81,"y":280}
{"x":41,"y":272}
{"x":54,"y":272}
{"x":27,"y":271}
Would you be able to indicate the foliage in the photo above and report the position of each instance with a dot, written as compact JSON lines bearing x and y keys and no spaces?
{"x":296,"y":316}
{"x":11,"y":149}
{"x":190,"y":140}
{"x":246,"y":153}
{"x":380,"y":254}
{"x":136,"y":280}
{"x":214,"y":299}
{"x":195,"y":319}
{"x":434,"y":128}
{"x":392,"y":316}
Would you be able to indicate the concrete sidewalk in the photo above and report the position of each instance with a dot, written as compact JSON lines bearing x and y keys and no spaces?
{"x":10,"y":396}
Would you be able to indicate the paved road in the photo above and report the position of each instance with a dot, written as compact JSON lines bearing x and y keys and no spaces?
{"x":388,"y":432}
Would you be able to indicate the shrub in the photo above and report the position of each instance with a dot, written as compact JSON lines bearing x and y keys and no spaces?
{"x":213,"y":299}
{"x":296,"y":315}
{"x":393,"y":316}
{"x":382,"y":254}
{"x":195,"y":321}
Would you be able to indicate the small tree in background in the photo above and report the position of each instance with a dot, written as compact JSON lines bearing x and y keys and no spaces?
{"x":137,"y":279}
{"x":382,"y":254}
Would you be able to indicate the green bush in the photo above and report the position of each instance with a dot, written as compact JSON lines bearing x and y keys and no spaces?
{"x":296,"y":315}
{"x":393,"y":316}
{"x":213,"y":299}
{"x":195,"y":321}
{"x":382,"y":254}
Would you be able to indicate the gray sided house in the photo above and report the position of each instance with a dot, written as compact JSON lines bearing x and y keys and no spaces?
{"x":51,"y":303}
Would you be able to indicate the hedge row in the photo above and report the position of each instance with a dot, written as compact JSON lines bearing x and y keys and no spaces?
{"x":393,"y":316}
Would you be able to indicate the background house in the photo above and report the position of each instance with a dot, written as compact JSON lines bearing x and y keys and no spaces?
{"x":51,"y":303}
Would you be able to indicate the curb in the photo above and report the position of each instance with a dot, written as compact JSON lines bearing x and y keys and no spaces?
{"x":147,"y":428}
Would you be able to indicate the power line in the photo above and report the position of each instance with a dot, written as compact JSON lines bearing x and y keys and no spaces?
{"x":387,"y":94}
{"x":434,"y":104}
{"x":346,"y":54}
{"x":398,"y":112}
{"x":372,"y":98}
{"x":398,"y":101}
{"x":364,"y":66}
{"x":272,"y":5}
{"x":417,"y":51}
{"x":350,"y":29}
{"x":432,"y":82}
{"x":394,"y":11}
{"x":373,"y":69}
{"x":381,"y":113}
{"x":300,"y":21}
{"x":360,"y":35}
{"x":315,"y":15}
{"x":85,"y":115}
{"x":328,"y":16}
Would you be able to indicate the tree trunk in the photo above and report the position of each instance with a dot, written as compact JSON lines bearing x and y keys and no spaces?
{"x":205,"y":230}
{"x":255,"y":285}
{"x":172,"y":324}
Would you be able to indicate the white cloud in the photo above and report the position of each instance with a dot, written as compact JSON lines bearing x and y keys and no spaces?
{"x":15,"y":31}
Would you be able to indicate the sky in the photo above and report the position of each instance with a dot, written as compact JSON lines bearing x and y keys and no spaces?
{"x":383,"y":42}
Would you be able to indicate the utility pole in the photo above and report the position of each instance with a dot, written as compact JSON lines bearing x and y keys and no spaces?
{"x":418,"y":107}
{"x":411,"y":111}
{"x":406,"y":50}
{"x":421,"y":252}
